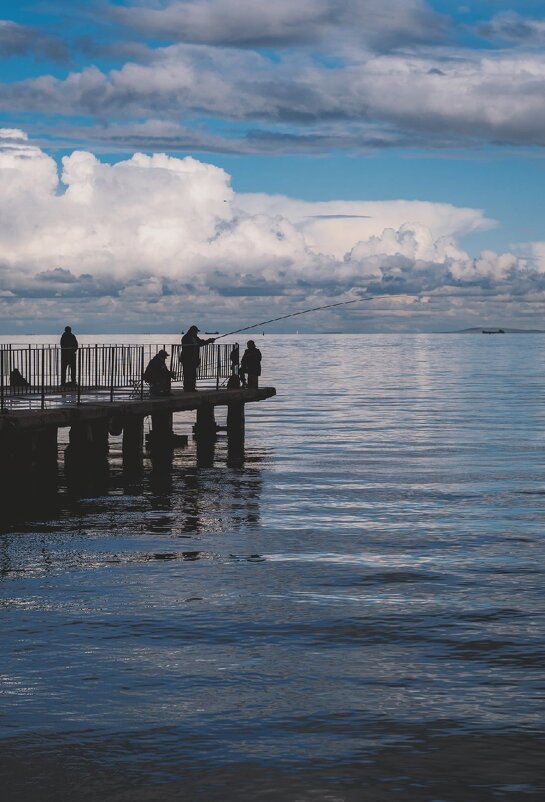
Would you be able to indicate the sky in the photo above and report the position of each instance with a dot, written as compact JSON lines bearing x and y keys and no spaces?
{"x":222,"y":162}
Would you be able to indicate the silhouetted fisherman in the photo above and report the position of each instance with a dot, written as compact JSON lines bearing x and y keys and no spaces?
{"x":250,"y":364}
{"x":157,"y":375}
{"x":234,"y":381}
{"x":69,"y":346}
{"x":191,"y":346}
{"x":234,"y":357}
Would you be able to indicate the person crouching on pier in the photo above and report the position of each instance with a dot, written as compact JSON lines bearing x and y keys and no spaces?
{"x":69,"y":346}
{"x":157,"y":375}
{"x":191,"y":345}
{"x":250,"y":364}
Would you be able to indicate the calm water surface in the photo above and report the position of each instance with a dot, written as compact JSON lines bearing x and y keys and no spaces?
{"x":355,"y":613}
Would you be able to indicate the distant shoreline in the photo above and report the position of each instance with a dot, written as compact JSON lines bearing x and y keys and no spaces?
{"x":493,"y":330}
{"x":18,"y":337}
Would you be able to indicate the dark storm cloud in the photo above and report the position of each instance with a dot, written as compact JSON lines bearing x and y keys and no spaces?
{"x":20,"y":40}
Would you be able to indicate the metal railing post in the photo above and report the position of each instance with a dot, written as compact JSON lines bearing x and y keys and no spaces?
{"x":113,"y":352}
{"x":142,"y":371}
{"x":43,"y":378}
{"x":78,"y":378}
{"x":218,"y":367}
{"x":2,"y":379}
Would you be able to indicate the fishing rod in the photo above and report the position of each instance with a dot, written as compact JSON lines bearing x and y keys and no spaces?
{"x":312,"y":309}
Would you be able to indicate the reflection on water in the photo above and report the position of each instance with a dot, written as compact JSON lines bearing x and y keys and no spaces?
{"x":350,"y":610}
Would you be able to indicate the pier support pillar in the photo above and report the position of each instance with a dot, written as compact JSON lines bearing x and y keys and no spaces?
{"x":235,"y":421}
{"x":90,"y":438}
{"x":86,"y":458}
{"x":29,"y":465}
{"x":161,"y":449}
{"x":205,"y":426}
{"x":133,"y":437}
{"x":45,"y":462}
{"x":235,"y":434}
{"x":45,"y":450}
{"x":28,"y":471}
{"x":161,"y":428}
{"x":161,"y":439}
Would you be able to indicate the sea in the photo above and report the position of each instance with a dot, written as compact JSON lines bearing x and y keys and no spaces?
{"x":354,"y":612}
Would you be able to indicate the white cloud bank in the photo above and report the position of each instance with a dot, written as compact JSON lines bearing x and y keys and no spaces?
{"x":140,"y":240}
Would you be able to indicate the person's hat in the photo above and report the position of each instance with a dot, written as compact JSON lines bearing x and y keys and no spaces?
{"x":162,"y":352}
{"x":194,"y":328}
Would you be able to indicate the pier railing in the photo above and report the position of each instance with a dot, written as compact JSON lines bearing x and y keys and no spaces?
{"x":100,"y":369}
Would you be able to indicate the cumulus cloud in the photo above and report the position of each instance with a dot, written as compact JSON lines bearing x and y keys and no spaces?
{"x":460,"y":99}
{"x":258,"y":23}
{"x":21,"y":40}
{"x":145,"y":239}
{"x":335,"y":226}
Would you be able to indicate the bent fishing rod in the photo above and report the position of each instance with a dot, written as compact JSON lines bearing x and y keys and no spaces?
{"x":312,"y":309}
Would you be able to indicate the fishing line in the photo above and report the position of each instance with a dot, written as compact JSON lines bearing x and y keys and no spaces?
{"x":306,"y":311}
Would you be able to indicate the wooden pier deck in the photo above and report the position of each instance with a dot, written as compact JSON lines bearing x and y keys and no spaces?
{"x":70,"y":414}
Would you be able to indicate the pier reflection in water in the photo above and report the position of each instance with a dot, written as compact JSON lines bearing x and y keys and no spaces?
{"x":352,"y":612}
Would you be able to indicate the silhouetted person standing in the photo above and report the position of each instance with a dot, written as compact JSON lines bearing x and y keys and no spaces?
{"x":69,"y":346}
{"x":191,"y":345}
{"x":250,"y":364}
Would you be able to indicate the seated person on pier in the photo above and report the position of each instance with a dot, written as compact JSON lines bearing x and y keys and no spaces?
{"x":250,"y":364}
{"x":157,"y":375}
{"x":16,"y":379}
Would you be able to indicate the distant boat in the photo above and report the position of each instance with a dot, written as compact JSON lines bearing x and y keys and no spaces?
{"x":211,"y":332}
{"x":493,"y":331}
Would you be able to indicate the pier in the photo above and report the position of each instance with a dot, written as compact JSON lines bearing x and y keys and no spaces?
{"x":109,"y":397}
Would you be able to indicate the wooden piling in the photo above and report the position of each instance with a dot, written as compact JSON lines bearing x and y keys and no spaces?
{"x":161,"y":428}
{"x":205,"y":427}
{"x":133,"y":442}
{"x":235,"y":421}
{"x":45,"y":448}
{"x":86,"y":458}
{"x":235,"y":434}
{"x":90,"y":438}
